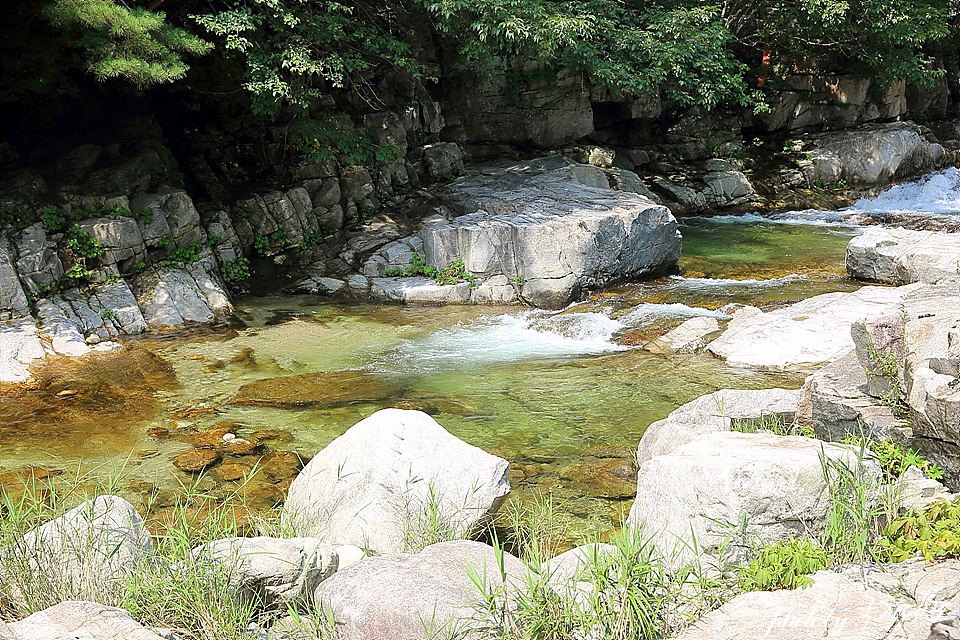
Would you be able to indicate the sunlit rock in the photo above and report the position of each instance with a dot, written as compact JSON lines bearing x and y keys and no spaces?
{"x":391,"y":477}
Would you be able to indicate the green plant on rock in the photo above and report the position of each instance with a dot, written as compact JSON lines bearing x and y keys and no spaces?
{"x":76,"y":274}
{"x":453,"y":274}
{"x":144,"y":215}
{"x":162,"y":243}
{"x":933,"y":533}
{"x":108,"y":314}
{"x":19,"y":216}
{"x":183,"y":255}
{"x":83,"y":245}
{"x":894,"y":459}
{"x":860,"y":507}
{"x":886,"y":366}
{"x":785,"y":565}
{"x":261,"y":244}
{"x":244,"y":211}
{"x":235,"y":271}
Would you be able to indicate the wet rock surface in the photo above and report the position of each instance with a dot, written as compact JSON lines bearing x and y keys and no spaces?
{"x":327,"y":389}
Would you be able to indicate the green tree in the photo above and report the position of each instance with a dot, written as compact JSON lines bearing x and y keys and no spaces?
{"x":289,"y":46}
{"x":634,"y":49}
{"x":887,"y":40}
{"x":130,"y":43}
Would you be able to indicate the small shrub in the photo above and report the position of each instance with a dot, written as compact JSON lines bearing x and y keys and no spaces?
{"x":235,"y":271}
{"x":894,"y":459}
{"x":933,"y":532}
{"x":784,"y":565}
{"x":183,"y":255}
{"x":453,"y":274}
{"x":83,"y":244}
{"x":144,"y":215}
{"x":243,"y":211}
{"x":76,"y":273}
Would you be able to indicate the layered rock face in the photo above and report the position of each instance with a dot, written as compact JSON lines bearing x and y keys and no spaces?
{"x":913,"y":360}
{"x":873,"y":155}
{"x":553,"y":228}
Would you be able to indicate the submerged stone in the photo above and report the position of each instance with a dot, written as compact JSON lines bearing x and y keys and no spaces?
{"x":196,"y":460}
{"x":324,"y":389}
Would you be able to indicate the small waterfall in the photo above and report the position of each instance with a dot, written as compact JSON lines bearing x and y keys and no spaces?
{"x":504,"y":338}
{"x":935,"y":193}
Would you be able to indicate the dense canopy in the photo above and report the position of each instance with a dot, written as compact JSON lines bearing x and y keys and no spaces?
{"x":287,"y":52}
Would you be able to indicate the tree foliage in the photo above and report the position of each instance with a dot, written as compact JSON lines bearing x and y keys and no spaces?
{"x":882,"y":39}
{"x":288,"y":45}
{"x":628,"y":49}
{"x":130,"y":43}
{"x":697,"y":53}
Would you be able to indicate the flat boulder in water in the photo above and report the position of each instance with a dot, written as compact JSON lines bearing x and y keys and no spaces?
{"x":809,"y":333}
{"x":324,"y":389}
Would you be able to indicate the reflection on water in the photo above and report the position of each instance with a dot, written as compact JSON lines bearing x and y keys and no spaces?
{"x":565,"y":396}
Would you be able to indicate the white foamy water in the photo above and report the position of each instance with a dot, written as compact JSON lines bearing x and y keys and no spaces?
{"x":805,"y":217}
{"x":935,"y":193}
{"x":504,"y":338}
{"x":649,"y":312}
{"x":707,"y":284}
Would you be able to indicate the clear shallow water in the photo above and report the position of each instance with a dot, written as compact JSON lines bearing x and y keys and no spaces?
{"x":565,"y":396}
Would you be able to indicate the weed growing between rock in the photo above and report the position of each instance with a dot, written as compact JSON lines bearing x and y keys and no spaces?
{"x":164,"y":586}
{"x":774,"y":424}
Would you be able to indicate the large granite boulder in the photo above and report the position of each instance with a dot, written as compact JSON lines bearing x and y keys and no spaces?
{"x":809,"y":333}
{"x":270,"y":570}
{"x":912,"y":358}
{"x":393,"y":480}
{"x":76,"y":620}
{"x":173,"y":212}
{"x":872,"y":155}
{"x":422,"y":596}
{"x":901,"y":256}
{"x":835,"y":607}
{"x":84,"y":552}
{"x":715,"y":412}
{"x":37,"y":260}
{"x":836,"y":403}
{"x":20,"y":346}
{"x":120,"y":237}
{"x":746,"y":489}
{"x":553,"y":228}
{"x":170,"y":296}
{"x":13,"y":301}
